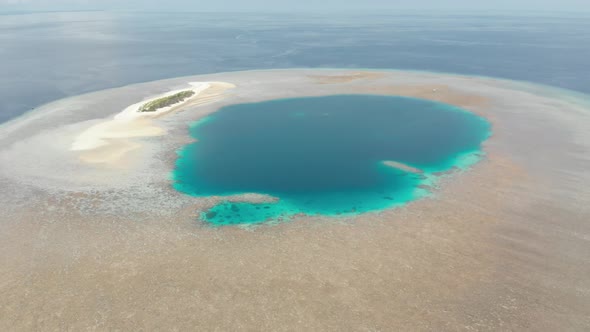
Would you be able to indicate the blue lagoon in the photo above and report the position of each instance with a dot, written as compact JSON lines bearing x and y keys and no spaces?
{"x":334,"y":155}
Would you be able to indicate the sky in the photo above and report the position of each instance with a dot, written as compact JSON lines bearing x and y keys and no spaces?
{"x":299,"y":5}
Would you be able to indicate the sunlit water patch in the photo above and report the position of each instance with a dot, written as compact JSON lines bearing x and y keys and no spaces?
{"x":332,"y":156}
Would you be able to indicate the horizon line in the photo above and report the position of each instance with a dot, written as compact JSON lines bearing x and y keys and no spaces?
{"x":382,"y":11}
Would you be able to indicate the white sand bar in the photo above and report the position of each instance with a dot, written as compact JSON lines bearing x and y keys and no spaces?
{"x":112,"y":135}
{"x":403,"y":167}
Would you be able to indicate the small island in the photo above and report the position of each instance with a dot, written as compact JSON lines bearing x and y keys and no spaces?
{"x":157,"y":104}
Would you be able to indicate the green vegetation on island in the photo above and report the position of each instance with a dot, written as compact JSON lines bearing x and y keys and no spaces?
{"x":155,"y":105}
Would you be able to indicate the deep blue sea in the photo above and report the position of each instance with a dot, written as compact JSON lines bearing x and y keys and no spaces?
{"x":324,"y":155}
{"x":48,"y":56}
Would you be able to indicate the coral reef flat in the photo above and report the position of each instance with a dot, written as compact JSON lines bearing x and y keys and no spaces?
{"x":501,"y":245}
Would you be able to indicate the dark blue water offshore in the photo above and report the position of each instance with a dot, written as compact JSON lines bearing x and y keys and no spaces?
{"x":48,"y":56}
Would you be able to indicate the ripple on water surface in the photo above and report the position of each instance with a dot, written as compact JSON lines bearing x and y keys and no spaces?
{"x":325,"y":155}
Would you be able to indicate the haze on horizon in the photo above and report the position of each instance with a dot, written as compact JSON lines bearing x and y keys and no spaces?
{"x":297,"y":5}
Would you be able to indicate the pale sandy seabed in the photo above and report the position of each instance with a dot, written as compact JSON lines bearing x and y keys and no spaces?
{"x":111,"y":246}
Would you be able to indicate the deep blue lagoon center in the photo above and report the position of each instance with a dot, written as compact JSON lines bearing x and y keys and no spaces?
{"x":332,"y":156}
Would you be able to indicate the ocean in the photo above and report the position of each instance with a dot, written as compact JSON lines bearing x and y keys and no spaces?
{"x":49,"y":56}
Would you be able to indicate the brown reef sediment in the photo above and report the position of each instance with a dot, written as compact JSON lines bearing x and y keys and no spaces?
{"x":503,"y":246}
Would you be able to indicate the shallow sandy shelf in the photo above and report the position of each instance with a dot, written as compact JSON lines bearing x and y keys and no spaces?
{"x":501,"y":246}
{"x":403,"y":167}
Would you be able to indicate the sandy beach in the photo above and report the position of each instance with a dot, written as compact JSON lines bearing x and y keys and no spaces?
{"x":110,"y":141}
{"x":97,"y":238}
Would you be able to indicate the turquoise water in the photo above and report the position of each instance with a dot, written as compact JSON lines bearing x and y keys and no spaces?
{"x":324,"y":155}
